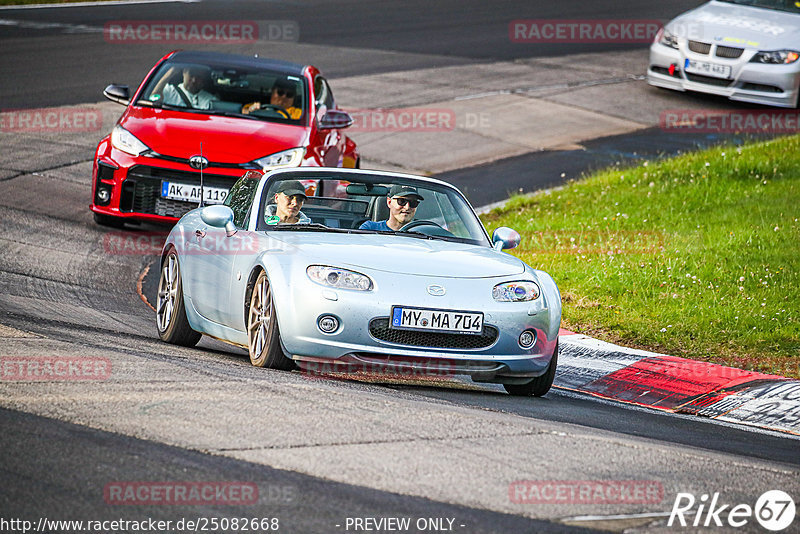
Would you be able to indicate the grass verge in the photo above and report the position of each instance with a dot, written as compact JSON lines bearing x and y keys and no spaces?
{"x":696,"y":256}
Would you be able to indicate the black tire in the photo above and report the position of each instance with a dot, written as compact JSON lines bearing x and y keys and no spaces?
{"x":107,"y":220}
{"x":540,"y":385}
{"x":171,"y":322}
{"x":263,"y":335}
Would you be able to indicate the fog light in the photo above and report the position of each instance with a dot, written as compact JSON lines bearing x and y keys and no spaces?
{"x":328,"y":324}
{"x":527,"y":339}
{"x":103,"y":194}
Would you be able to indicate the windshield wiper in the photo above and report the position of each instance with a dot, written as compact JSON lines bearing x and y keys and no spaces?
{"x":316,"y":227}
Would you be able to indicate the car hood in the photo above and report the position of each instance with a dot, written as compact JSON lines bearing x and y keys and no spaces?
{"x":737,"y":25}
{"x":408,"y":255}
{"x":225,"y":139}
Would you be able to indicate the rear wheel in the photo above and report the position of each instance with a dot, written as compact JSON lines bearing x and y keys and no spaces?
{"x":263,"y":336}
{"x":539,"y":385}
{"x":173,"y":326}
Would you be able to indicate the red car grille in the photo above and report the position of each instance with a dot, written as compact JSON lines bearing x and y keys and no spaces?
{"x":141,"y":191}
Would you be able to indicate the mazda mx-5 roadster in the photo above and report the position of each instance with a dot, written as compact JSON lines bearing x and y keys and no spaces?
{"x":386,"y":271}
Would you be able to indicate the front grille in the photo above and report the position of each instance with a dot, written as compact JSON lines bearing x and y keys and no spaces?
{"x":142,"y":190}
{"x":708,"y":80}
{"x":699,"y":47}
{"x":379,"y":329}
{"x":729,"y":51}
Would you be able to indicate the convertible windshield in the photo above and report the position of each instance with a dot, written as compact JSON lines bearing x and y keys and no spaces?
{"x":364,"y":203}
{"x":249,"y":92}
{"x":792,"y":6}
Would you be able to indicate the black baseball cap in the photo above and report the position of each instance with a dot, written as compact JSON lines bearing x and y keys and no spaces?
{"x":291,"y":187}
{"x":404,"y":191}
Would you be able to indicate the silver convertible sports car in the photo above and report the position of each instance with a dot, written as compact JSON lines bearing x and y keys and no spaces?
{"x":746,"y":50}
{"x":373,"y":270}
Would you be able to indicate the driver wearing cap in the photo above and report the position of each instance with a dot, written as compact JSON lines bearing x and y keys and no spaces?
{"x":289,"y":198}
{"x":402,"y":201}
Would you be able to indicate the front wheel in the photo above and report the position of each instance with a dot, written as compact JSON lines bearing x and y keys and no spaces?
{"x":263,"y":336}
{"x":173,"y":326}
{"x":540,"y":385}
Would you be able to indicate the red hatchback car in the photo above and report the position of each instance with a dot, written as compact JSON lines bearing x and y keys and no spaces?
{"x":217,"y":113}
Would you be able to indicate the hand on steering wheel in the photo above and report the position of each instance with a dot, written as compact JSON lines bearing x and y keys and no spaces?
{"x":257,"y":106}
{"x":421,"y":222}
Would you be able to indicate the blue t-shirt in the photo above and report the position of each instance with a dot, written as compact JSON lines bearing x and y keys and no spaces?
{"x":380,"y":226}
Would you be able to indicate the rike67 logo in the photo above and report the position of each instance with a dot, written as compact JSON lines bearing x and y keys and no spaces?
{"x":774,"y":510}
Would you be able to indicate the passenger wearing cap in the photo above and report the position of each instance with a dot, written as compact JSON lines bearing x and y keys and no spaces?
{"x":402,"y":201}
{"x":289,"y":198}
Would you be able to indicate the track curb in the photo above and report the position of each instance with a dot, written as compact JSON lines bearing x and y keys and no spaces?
{"x":677,"y":385}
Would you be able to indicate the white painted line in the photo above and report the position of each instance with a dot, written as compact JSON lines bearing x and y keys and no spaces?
{"x":613,"y":517}
{"x":92,"y":4}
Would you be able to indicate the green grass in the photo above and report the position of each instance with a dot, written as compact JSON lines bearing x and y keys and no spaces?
{"x":696,"y":256}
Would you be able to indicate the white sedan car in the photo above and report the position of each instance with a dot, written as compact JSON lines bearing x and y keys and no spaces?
{"x":745,"y":50}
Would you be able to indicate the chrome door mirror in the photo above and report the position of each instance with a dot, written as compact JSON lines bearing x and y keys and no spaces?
{"x":504,"y":237}
{"x":219,"y":216}
{"x":118,"y":93}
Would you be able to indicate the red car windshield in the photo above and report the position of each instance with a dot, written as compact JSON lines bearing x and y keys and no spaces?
{"x":217,"y":89}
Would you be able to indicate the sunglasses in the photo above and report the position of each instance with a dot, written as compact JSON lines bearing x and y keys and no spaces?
{"x":284,"y":92}
{"x":297,"y":198}
{"x":403,"y":201}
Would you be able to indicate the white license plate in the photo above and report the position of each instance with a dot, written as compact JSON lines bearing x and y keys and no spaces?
{"x":191,"y":193}
{"x":707,"y":69}
{"x":439,"y":320}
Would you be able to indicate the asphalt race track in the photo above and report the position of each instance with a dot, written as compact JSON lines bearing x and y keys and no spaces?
{"x":320,"y":453}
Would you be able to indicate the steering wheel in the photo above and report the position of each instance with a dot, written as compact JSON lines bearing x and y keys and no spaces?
{"x":277,"y":109}
{"x":414,"y":224}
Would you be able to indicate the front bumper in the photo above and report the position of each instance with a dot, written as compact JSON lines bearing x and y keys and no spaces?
{"x":772,"y":85}
{"x":361,"y":344}
{"x":134,"y":184}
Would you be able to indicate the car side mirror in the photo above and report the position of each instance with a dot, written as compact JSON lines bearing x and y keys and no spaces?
{"x":118,"y":93}
{"x":504,"y":237}
{"x":335,"y":119}
{"x":219,"y":216}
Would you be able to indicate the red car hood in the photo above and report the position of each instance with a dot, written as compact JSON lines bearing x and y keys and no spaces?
{"x":225,"y":139}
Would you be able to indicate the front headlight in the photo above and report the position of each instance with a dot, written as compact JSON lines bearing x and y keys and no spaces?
{"x":339,"y":278}
{"x":778,"y":57}
{"x":122,"y":139}
{"x":288,"y":158}
{"x":667,"y":39}
{"x":521,"y":291}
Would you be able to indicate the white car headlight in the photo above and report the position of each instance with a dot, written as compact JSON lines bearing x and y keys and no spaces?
{"x":778,"y":57}
{"x":521,"y":291}
{"x":288,"y":158}
{"x":122,"y":139}
{"x":666,"y":38}
{"x":339,"y":278}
